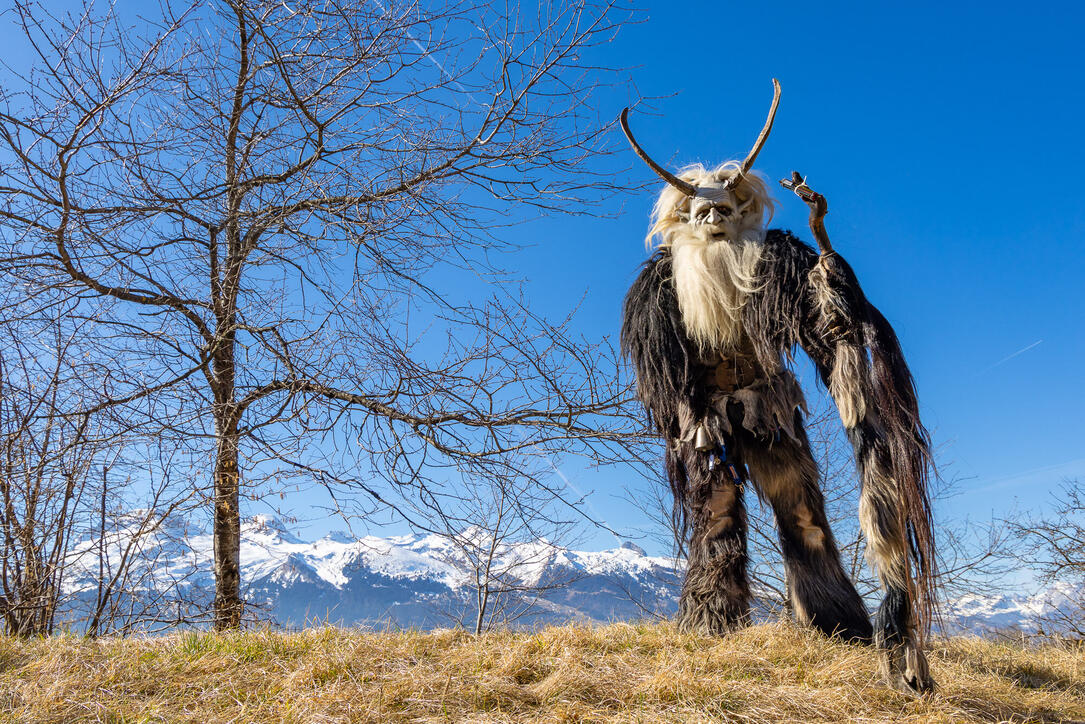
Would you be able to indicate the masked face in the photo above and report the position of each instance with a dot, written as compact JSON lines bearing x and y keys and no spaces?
{"x":712,"y":279}
{"x":718,"y":214}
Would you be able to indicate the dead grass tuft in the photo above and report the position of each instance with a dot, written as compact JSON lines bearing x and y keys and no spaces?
{"x":617,"y":673}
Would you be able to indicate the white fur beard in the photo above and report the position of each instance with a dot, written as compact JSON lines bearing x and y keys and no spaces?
{"x":712,"y":280}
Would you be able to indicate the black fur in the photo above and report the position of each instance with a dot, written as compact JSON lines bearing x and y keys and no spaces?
{"x":784,"y":313}
{"x":776,"y":316}
{"x":891,"y":621}
{"x":789,"y":310}
{"x":654,"y":339}
{"x":902,"y":663}
{"x":664,"y":359}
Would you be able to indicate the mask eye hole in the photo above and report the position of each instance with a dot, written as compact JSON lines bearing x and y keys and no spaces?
{"x":725,"y":211}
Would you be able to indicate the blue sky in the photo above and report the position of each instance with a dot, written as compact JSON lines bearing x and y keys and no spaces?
{"x":947,"y":140}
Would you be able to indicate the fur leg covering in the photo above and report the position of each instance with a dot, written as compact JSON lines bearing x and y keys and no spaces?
{"x":816,"y":302}
{"x":715,"y":595}
{"x":903,"y":663}
{"x":821,"y":593}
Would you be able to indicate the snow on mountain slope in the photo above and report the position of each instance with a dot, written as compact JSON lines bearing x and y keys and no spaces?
{"x":1022,"y":611}
{"x":404,"y":580}
{"x":424,"y":581}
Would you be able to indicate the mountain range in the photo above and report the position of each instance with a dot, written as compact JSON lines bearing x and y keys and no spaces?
{"x":428,"y":581}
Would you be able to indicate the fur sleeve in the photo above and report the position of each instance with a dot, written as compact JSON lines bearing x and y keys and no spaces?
{"x":655,"y":341}
{"x":817,"y":303}
{"x":779,"y":311}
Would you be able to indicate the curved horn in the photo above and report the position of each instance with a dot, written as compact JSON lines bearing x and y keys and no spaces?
{"x":752,"y":155}
{"x":684,"y":186}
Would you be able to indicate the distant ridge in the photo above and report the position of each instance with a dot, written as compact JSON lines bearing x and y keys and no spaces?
{"x":418,"y":581}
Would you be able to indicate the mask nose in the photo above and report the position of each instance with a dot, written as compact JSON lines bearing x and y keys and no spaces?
{"x":714,"y":217}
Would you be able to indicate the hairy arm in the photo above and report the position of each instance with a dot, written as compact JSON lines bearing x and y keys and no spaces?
{"x":654,"y":340}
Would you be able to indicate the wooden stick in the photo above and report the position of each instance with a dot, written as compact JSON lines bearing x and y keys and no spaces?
{"x":818,"y":208}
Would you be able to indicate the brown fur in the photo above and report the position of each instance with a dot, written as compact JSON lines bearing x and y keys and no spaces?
{"x":800,"y":299}
{"x":715,"y":594}
{"x":820,"y":591}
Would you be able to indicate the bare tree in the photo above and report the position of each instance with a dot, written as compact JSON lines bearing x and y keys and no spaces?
{"x":58,"y":503}
{"x":269,"y":210}
{"x":137,"y":582}
{"x":504,"y":535}
{"x":1053,"y":545}
{"x":46,"y":461}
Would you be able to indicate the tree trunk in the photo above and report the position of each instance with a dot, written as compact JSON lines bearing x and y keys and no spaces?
{"x":227,"y":531}
{"x":227,"y":525}
{"x":482,"y":599}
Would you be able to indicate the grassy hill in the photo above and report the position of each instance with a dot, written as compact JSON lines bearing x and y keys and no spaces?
{"x":621,"y":673}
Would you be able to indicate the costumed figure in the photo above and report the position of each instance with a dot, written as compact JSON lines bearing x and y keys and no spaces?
{"x":710,"y":325}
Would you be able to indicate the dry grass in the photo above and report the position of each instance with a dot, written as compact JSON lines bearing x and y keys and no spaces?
{"x":618,"y":673}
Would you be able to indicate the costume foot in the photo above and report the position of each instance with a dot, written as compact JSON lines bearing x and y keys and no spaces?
{"x":905,"y":669}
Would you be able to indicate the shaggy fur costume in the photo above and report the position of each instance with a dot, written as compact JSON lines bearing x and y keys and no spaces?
{"x":736,"y":391}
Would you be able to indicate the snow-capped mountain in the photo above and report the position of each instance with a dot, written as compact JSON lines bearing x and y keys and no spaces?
{"x":408,"y":580}
{"x":1021,"y":611}
{"x":427,"y":580}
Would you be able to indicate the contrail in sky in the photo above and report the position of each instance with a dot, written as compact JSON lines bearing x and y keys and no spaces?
{"x":1067,"y":469}
{"x":427,"y":54}
{"x":587,"y":503}
{"x":1009,"y":357}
